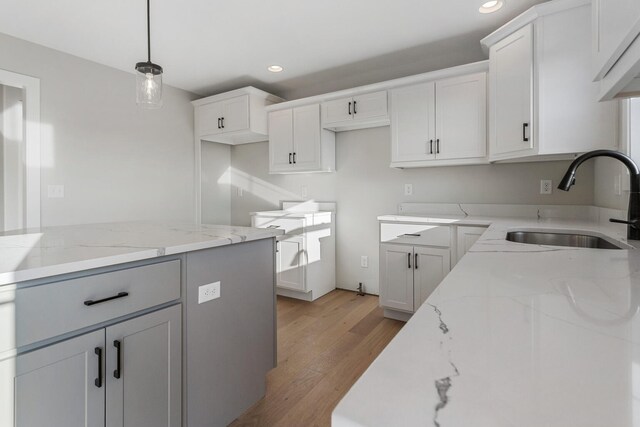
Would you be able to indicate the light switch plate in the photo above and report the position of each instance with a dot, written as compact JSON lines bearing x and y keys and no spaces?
{"x":208,"y":292}
{"x":364,"y":261}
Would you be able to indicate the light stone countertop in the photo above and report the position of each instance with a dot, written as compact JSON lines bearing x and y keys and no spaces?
{"x":516,"y":335}
{"x":37,"y":253}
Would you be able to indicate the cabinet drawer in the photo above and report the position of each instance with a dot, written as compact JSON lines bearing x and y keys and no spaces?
{"x":289,"y":225}
{"x":29,"y":315}
{"x":415,"y":234}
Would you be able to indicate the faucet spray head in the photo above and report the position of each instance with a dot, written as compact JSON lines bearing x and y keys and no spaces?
{"x":568,"y":180}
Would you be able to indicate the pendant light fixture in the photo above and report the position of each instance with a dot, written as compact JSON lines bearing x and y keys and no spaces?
{"x":148,"y":77}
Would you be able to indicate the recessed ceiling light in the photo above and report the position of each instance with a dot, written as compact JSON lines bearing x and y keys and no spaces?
{"x":275,"y":68}
{"x":491,"y":6}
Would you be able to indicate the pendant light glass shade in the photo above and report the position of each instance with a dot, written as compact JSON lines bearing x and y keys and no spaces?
{"x":148,"y":77}
{"x":148,"y":85}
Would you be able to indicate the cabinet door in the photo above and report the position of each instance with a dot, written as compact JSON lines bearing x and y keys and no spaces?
{"x":338,"y":111}
{"x":370,"y":106}
{"x":396,"y":277}
{"x":615,"y":24}
{"x":209,"y":119}
{"x":431,"y":266}
{"x":235,"y":114}
{"x":290,"y":262}
{"x":461,"y":117}
{"x":511,"y":74}
{"x":144,"y":375}
{"x":54,"y":386}
{"x":280,"y":140}
{"x":413,"y":123}
{"x":467,"y":236}
{"x":306,"y":138}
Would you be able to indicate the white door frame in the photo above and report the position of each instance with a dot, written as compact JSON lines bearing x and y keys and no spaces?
{"x":31,"y":89}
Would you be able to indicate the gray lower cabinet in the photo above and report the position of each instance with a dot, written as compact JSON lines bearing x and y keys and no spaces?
{"x":55,"y":385}
{"x":230,"y":341}
{"x":67,"y":384}
{"x":144,"y":371}
{"x":409,"y":274}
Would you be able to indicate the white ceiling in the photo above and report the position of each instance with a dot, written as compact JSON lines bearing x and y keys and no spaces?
{"x":204,"y":45}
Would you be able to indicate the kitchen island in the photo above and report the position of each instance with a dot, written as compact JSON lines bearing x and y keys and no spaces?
{"x":516,"y":335}
{"x":152,"y":323}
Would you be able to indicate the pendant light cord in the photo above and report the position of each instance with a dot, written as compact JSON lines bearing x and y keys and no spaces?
{"x":148,"y":33}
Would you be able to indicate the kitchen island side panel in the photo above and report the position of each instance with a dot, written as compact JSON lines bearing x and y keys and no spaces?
{"x":230,"y":341}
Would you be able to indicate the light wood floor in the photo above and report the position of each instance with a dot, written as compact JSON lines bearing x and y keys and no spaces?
{"x":323,"y":348}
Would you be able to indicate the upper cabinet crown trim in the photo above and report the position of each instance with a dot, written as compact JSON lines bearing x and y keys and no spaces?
{"x":460,"y":70}
{"x":249,"y":90}
{"x":527,"y":17}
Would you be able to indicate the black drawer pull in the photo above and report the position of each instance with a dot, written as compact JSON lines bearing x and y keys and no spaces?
{"x":410,"y":235}
{"x":290,"y":158}
{"x":222,"y":122}
{"x":431,"y":146}
{"x":219,"y":123}
{"x":118,"y":345}
{"x":437,"y":146}
{"x":92,"y":302}
{"x":415,"y":262}
{"x":354,"y":107}
{"x":294,"y":158}
{"x":349,"y":108}
{"x":524,"y":132}
{"x":98,"y":381}
{"x":409,"y":260}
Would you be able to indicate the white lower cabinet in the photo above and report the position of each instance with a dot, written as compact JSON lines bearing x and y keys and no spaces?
{"x":408,"y":274}
{"x":86,"y":380}
{"x":467,"y":236}
{"x":290,"y":262}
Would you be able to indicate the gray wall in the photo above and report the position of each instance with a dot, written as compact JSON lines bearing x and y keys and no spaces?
{"x":116,"y":161}
{"x":215,"y":183}
{"x":365,"y":186}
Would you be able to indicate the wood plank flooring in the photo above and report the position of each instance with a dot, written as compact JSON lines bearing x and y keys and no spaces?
{"x":323,"y":348}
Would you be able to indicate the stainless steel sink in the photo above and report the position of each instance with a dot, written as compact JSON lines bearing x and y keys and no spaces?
{"x":560,"y":239}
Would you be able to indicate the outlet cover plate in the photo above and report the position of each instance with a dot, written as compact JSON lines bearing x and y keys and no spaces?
{"x":208,"y":292}
{"x":546,"y":186}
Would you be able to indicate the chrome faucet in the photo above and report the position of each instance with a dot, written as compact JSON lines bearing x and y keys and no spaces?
{"x":633,"y":218}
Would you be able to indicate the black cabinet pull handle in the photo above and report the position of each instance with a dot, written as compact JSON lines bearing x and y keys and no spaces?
{"x":118,"y":345}
{"x":222,"y":122}
{"x":437,"y":146}
{"x":431,"y":146}
{"x":98,"y":381}
{"x":415,"y":261}
{"x":289,"y":158}
{"x":219,"y":123}
{"x":409,"y":260}
{"x":349,"y":107}
{"x":294,"y":158}
{"x":92,"y":302}
{"x":354,"y":107}
{"x":524,"y":132}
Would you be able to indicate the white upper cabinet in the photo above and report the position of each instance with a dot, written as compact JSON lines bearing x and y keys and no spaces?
{"x":543,"y":101}
{"x":511,"y":93}
{"x":616,"y":47}
{"x":439,"y":123}
{"x":461,"y":117}
{"x":616,"y":24}
{"x":236,"y":117}
{"x":413,"y":130}
{"x":357,"y":112}
{"x":297,"y":143}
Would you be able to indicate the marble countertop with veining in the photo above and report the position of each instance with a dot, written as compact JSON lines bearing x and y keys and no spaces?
{"x":516,"y":335}
{"x":44,"y":252}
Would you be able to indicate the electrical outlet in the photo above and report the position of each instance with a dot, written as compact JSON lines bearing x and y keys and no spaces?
{"x":55,"y":191}
{"x":408,"y":189}
{"x":208,"y":292}
{"x":364,"y":261}
{"x":546,"y":186}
